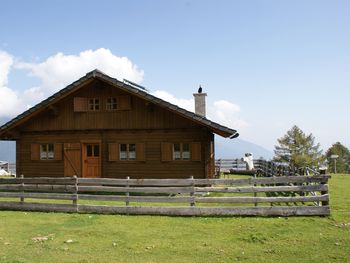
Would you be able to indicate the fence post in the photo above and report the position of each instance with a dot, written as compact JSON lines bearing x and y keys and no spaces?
{"x":219,"y":170}
{"x":193,"y":203}
{"x":272,"y":174}
{"x":75,"y":198}
{"x":324,"y":203}
{"x":255,"y":193}
{"x":127,"y":194}
{"x":22,"y":188}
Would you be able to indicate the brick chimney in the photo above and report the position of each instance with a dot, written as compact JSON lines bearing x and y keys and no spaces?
{"x":199,"y":102}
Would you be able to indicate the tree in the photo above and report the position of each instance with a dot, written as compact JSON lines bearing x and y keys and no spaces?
{"x":297,"y":149}
{"x":343,"y":160}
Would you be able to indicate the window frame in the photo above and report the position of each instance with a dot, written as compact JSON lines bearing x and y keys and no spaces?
{"x":44,"y":151}
{"x":94,"y":104}
{"x":111,"y":104}
{"x":178,"y":155}
{"x":127,"y":152}
{"x":93,"y":150}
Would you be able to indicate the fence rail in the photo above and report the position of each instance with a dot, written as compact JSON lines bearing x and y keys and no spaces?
{"x":155,"y":196}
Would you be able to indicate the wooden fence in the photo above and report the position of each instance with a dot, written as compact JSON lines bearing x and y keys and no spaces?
{"x":225,"y":165}
{"x":303,"y":195}
{"x":262,"y":168}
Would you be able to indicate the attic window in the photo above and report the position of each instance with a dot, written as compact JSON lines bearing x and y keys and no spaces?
{"x":111,"y":104}
{"x":94,"y":104}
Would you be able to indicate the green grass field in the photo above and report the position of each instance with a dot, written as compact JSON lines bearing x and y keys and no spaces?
{"x":58,"y":237}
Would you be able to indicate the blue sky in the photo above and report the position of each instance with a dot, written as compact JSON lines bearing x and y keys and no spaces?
{"x":266,"y":65}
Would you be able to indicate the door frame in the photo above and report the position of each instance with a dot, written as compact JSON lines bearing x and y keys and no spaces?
{"x":83,"y":155}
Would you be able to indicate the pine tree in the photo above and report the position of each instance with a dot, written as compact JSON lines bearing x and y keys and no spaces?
{"x":297,"y":149}
{"x":343,"y":160}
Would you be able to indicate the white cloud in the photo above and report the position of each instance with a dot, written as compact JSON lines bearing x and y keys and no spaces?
{"x":10,"y":104}
{"x":60,"y":70}
{"x":226,"y":113}
{"x":9,"y":100}
{"x":56,"y":72}
{"x":6,"y":61}
{"x":222,"y":111}
{"x":187,"y":104}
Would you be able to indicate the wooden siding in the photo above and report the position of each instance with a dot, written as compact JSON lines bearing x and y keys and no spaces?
{"x":134,"y":113}
{"x":149,"y":166}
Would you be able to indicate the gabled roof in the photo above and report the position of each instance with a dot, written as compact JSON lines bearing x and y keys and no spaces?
{"x":96,"y":74}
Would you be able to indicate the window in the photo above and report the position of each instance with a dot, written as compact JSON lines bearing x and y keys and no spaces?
{"x":92,"y":150}
{"x":94,"y":104}
{"x":190,"y":151}
{"x":127,"y":151}
{"x":47,"y":151}
{"x":181,"y":151}
{"x":111,"y":104}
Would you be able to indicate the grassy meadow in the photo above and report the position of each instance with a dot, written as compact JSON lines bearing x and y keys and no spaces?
{"x":59,"y":237}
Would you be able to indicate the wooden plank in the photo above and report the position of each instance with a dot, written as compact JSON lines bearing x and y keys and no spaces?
{"x":10,"y":187}
{"x":38,"y":180}
{"x":248,"y":199}
{"x":154,"y":199}
{"x":176,"y":211}
{"x":39,"y":207}
{"x":38,"y":195}
{"x":204,"y":211}
{"x":167,"y":190}
{"x":49,"y":188}
{"x":162,"y":199}
{"x":264,"y":180}
{"x":135,"y":182}
{"x":257,"y":189}
{"x":178,"y":182}
{"x":38,"y":187}
{"x":120,"y":198}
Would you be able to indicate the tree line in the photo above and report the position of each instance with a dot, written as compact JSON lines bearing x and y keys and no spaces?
{"x":299,"y":150}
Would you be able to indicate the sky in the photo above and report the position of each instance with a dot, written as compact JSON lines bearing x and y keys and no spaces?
{"x":266,"y":65}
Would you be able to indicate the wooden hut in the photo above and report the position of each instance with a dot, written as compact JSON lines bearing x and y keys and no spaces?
{"x":99,"y":126}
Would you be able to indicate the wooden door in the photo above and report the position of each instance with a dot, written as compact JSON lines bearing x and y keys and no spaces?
{"x":72,"y":159}
{"x":92,"y":160}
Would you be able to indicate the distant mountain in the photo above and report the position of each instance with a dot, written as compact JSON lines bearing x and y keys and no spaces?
{"x":236,"y":148}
